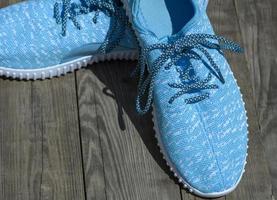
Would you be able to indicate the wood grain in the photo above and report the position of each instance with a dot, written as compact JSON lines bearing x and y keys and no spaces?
{"x":20,"y":161}
{"x":40,"y":147}
{"x":91,"y":143}
{"x":57,"y":114}
{"x":258,"y":22}
{"x":4,"y":3}
{"x":133,"y":166}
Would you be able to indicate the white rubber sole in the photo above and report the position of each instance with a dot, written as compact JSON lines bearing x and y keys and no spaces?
{"x":184,"y":183}
{"x":64,"y":68}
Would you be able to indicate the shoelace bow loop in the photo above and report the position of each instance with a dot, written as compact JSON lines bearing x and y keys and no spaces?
{"x":192,"y":46}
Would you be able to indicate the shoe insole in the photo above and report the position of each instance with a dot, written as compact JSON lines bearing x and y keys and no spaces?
{"x":166,"y":17}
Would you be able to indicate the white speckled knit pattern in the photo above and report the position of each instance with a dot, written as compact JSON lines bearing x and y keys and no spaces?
{"x":31,"y":38}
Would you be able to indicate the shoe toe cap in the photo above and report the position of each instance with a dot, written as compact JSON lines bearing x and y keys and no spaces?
{"x":207,"y":173}
{"x":207,"y":162}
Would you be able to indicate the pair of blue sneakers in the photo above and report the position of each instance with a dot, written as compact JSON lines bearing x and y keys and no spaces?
{"x":198,"y":111}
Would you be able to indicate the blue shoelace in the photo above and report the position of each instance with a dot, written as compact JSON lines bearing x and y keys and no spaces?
{"x":70,"y":11}
{"x":185,"y":47}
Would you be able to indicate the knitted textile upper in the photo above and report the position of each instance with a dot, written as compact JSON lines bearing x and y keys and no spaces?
{"x":31,"y":32}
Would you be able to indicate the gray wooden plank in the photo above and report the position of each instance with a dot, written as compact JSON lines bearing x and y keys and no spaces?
{"x":256,"y":181}
{"x":133,"y":167}
{"x":188,"y":196}
{"x":91,"y":144}
{"x":220,"y":198}
{"x":259,"y":21}
{"x":39,"y":139}
{"x":56,"y":114}
{"x":20,"y":161}
{"x":4,"y":3}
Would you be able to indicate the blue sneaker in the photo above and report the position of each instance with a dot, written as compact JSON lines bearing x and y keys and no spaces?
{"x":199,"y":112}
{"x":45,"y":38}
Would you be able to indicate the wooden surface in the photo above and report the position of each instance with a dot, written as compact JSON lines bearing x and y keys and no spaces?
{"x":79,"y":137}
